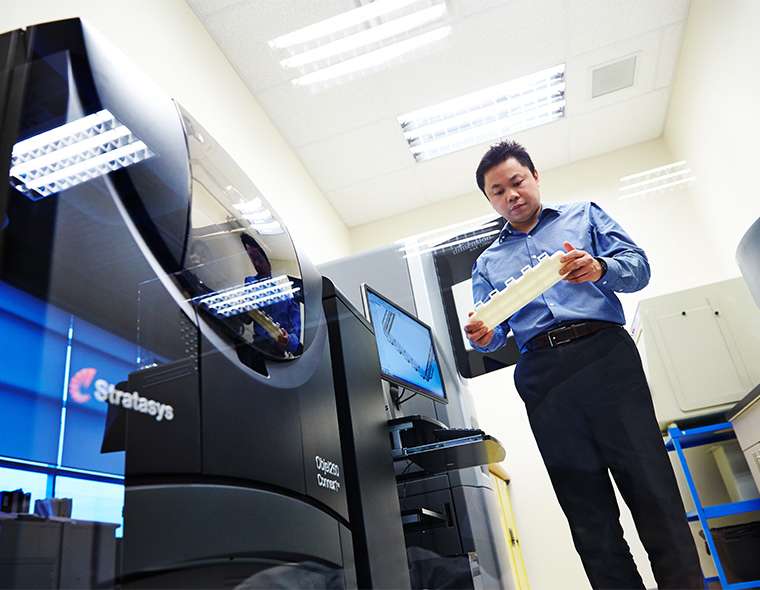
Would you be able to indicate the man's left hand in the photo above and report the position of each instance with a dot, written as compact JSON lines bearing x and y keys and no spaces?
{"x":578,"y":266}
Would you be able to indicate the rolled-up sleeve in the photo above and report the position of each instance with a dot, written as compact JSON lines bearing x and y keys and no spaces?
{"x":481,"y":288}
{"x":627,"y":264}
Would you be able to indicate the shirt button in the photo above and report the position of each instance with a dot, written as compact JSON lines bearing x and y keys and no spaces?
{"x":529,"y":237}
{"x":604,"y":282}
{"x":551,"y":305}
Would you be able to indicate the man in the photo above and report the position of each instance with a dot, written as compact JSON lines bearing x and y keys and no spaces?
{"x":279,"y":322}
{"x":580,"y":376}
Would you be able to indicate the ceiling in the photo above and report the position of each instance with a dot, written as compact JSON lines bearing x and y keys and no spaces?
{"x":347,"y":135}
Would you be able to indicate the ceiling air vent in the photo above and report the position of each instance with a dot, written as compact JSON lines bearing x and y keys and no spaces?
{"x":613,"y":77}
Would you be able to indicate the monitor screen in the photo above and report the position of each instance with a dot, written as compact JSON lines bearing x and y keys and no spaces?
{"x":405,"y":346}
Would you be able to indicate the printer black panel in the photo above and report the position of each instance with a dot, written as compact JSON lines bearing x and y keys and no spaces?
{"x":250,"y":430}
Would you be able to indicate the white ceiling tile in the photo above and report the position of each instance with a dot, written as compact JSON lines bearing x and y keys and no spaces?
{"x":596,"y":23}
{"x":388,"y":195}
{"x":304,"y":118}
{"x":451,"y":175}
{"x":357,"y":156}
{"x":670,"y":49}
{"x":646,"y":48}
{"x":547,"y":145}
{"x":614,"y":127}
{"x":462,"y":8}
{"x":204,"y":8}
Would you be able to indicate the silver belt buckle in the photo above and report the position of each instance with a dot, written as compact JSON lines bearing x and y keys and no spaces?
{"x":570,"y":328}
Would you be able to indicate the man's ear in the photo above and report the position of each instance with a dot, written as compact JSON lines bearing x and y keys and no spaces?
{"x":535,"y":175}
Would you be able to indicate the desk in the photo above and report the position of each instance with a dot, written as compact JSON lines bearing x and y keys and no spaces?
{"x":56,"y":552}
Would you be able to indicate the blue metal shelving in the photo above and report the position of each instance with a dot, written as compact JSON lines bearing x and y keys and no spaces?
{"x":684,"y":439}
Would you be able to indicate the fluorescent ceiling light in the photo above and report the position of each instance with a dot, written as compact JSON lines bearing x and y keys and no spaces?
{"x":659,"y":188}
{"x":255,"y":204}
{"x":261,"y":216}
{"x":338,"y":23}
{"x":658,"y":180}
{"x":272,"y":228}
{"x":654,"y":171}
{"x":373,"y":58}
{"x":486,"y":114}
{"x":74,"y":153}
{"x":368,"y":36}
{"x":655,"y":180}
{"x":361,"y":39}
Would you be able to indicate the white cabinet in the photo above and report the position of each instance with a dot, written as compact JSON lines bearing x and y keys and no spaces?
{"x":701,"y":348}
{"x":746,"y":423}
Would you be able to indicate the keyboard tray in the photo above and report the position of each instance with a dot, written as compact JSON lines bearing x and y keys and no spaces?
{"x":449,"y":455}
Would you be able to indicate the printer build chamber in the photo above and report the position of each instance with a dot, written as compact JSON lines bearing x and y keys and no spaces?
{"x":159,"y":307}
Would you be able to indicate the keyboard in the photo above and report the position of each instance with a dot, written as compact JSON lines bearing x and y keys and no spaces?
{"x":443,"y":434}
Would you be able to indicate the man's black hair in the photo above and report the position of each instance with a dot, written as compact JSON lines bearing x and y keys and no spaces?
{"x":501,"y":152}
{"x":249,"y":242}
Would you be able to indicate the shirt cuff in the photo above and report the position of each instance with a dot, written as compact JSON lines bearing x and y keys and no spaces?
{"x":497,"y":341}
{"x":610,"y":278}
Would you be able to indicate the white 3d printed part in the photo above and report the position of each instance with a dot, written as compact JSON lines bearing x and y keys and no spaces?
{"x":519,"y":292}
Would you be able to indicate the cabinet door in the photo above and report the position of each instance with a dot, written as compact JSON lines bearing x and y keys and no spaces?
{"x":700,"y":357}
{"x":506,"y":516}
{"x":753,"y":460}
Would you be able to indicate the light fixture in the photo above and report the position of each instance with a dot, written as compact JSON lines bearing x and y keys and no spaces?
{"x":243,"y":298}
{"x":251,"y":206}
{"x":74,"y":153}
{"x":655,"y":180}
{"x":270,"y":228}
{"x":361,"y":39}
{"x":258,"y":217}
{"x":486,"y":114}
{"x":340,"y":22}
{"x":372,"y":59}
{"x":367,"y":37}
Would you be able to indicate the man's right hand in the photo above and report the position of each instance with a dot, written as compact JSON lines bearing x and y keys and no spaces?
{"x":477,"y":332}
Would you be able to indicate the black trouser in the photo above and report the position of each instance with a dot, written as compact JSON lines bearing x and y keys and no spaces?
{"x":590,"y":410}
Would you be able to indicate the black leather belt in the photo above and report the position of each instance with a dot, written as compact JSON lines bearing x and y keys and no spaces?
{"x":567,"y":333}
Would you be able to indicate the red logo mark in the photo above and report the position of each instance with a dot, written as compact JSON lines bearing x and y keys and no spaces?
{"x":82,"y":379}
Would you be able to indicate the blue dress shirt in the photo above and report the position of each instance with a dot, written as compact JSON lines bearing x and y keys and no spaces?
{"x":286,"y":313}
{"x":587,"y":227}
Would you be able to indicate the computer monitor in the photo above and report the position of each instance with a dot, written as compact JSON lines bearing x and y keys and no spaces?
{"x":405,"y":347}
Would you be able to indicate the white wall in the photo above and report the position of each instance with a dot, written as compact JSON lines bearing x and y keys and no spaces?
{"x":713,"y":121}
{"x":165,"y":40}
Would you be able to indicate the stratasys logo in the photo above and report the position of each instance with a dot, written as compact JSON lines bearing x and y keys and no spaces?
{"x":107,"y":393}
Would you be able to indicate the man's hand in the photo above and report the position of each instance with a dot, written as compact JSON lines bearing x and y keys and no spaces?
{"x":578,"y":266}
{"x":477,"y":332}
{"x":282,"y":339}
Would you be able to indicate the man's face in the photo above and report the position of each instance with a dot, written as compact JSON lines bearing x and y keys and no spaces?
{"x":513,"y":192}
{"x":259,"y":261}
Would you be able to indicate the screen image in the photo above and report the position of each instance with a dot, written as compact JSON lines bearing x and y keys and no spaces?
{"x":405,"y":348}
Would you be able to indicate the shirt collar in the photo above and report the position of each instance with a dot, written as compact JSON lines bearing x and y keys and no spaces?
{"x":546,"y":209}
